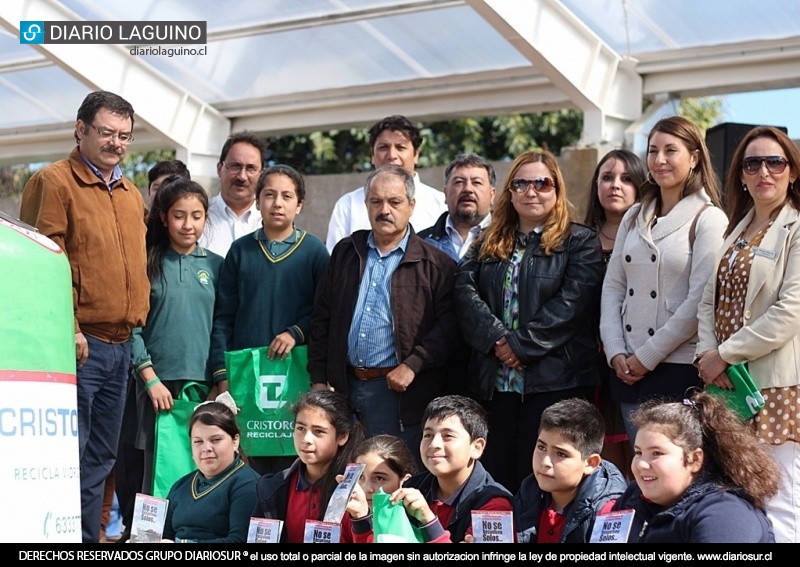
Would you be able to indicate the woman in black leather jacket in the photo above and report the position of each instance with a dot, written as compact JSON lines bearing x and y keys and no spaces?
{"x":526,"y":294}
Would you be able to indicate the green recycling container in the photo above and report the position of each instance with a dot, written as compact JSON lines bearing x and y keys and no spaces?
{"x":38,"y":398}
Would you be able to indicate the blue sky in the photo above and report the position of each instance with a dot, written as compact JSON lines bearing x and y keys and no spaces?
{"x":770,"y":108}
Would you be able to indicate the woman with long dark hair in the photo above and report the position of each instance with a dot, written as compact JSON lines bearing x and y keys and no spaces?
{"x":614,"y":190}
{"x":660,"y":264}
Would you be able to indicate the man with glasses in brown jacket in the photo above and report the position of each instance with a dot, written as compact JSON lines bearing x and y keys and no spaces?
{"x":85,"y":205}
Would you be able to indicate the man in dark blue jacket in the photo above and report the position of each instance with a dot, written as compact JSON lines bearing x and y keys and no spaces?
{"x":570,"y":484}
{"x":469,"y":191}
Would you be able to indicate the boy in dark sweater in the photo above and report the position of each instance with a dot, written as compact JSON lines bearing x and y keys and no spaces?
{"x":570,"y":484}
{"x":441,"y":500}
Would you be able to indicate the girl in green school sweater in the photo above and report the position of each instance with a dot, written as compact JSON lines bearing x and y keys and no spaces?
{"x":212,"y":504}
{"x":172,"y":348}
{"x":267,"y":283}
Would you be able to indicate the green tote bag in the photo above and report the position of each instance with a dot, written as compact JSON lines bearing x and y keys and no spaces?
{"x":265,"y":390}
{"x":390,"y":523}
{"x":745,"y":399}
{"x":172,"y":456}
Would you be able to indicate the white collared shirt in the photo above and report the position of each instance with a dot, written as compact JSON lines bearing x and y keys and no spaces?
{"x":462,"y":245}
{"x":224,"y":226}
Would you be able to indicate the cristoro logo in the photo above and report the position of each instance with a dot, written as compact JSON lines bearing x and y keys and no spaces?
{"x":31,"y":32}
{"x":270,"y":396}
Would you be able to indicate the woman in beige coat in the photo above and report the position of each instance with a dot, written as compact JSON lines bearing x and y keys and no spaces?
{"x":658,"y":270}
{"x":750,"y":311}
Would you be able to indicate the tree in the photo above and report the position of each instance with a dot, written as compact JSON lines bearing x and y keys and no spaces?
{"x":496,"y":138}
{"x":335,"y":151}
{"x":135,"y":165}
{"x":704,"y":112}
{"x":347,"y":151}
{"x":7,"y":184}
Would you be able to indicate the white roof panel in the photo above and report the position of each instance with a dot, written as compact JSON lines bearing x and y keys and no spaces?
{"x":455,"y":53}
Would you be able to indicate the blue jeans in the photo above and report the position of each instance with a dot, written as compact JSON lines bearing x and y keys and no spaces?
{"x":102,"y":381}
{"x":379,"y":411}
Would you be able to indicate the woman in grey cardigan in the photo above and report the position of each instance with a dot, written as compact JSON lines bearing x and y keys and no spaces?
{"x":661,"y":262}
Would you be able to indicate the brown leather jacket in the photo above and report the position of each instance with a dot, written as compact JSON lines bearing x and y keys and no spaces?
{"x":102,"y":232}
{"x":425,"y":325}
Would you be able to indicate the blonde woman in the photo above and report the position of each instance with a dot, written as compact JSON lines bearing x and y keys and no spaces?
{"x":526,"y":293}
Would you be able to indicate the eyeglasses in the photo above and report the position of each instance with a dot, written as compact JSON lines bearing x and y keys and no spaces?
{"x":236,"y":168}
{"x":105,"y":134}
{"x":540,"y":184}
{"x":775,"y":164}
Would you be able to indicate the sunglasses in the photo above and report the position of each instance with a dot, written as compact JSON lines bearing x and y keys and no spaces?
{"x":540,"y":185}
{"x":775,"y":164}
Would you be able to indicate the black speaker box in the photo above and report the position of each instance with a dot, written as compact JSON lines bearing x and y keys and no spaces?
{"x":722,"y":140}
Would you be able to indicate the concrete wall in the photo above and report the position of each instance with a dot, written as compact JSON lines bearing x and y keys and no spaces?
{"x":323,"y":190}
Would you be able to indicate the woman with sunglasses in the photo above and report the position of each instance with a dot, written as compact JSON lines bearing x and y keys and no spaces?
{"x":658,"y":269}
{"x":750,"y":310}
{"x":526,"y":293}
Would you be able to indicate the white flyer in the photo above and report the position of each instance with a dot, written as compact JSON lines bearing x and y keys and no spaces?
{"x":613,"y":527}
{"x":493,"y":526}
{"x":149,"y":515}
{"x":321,"y":532}
{"x":264,"y":530}
{"x":337,"y":505}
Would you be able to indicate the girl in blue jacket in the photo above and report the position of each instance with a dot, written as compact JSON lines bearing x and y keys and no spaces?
{"x":701,"y":476}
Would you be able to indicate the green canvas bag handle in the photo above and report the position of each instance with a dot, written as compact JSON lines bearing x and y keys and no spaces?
{"x":194,"y":392}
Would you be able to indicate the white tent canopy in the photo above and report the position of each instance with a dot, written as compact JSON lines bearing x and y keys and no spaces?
{"x":289,"y":66}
